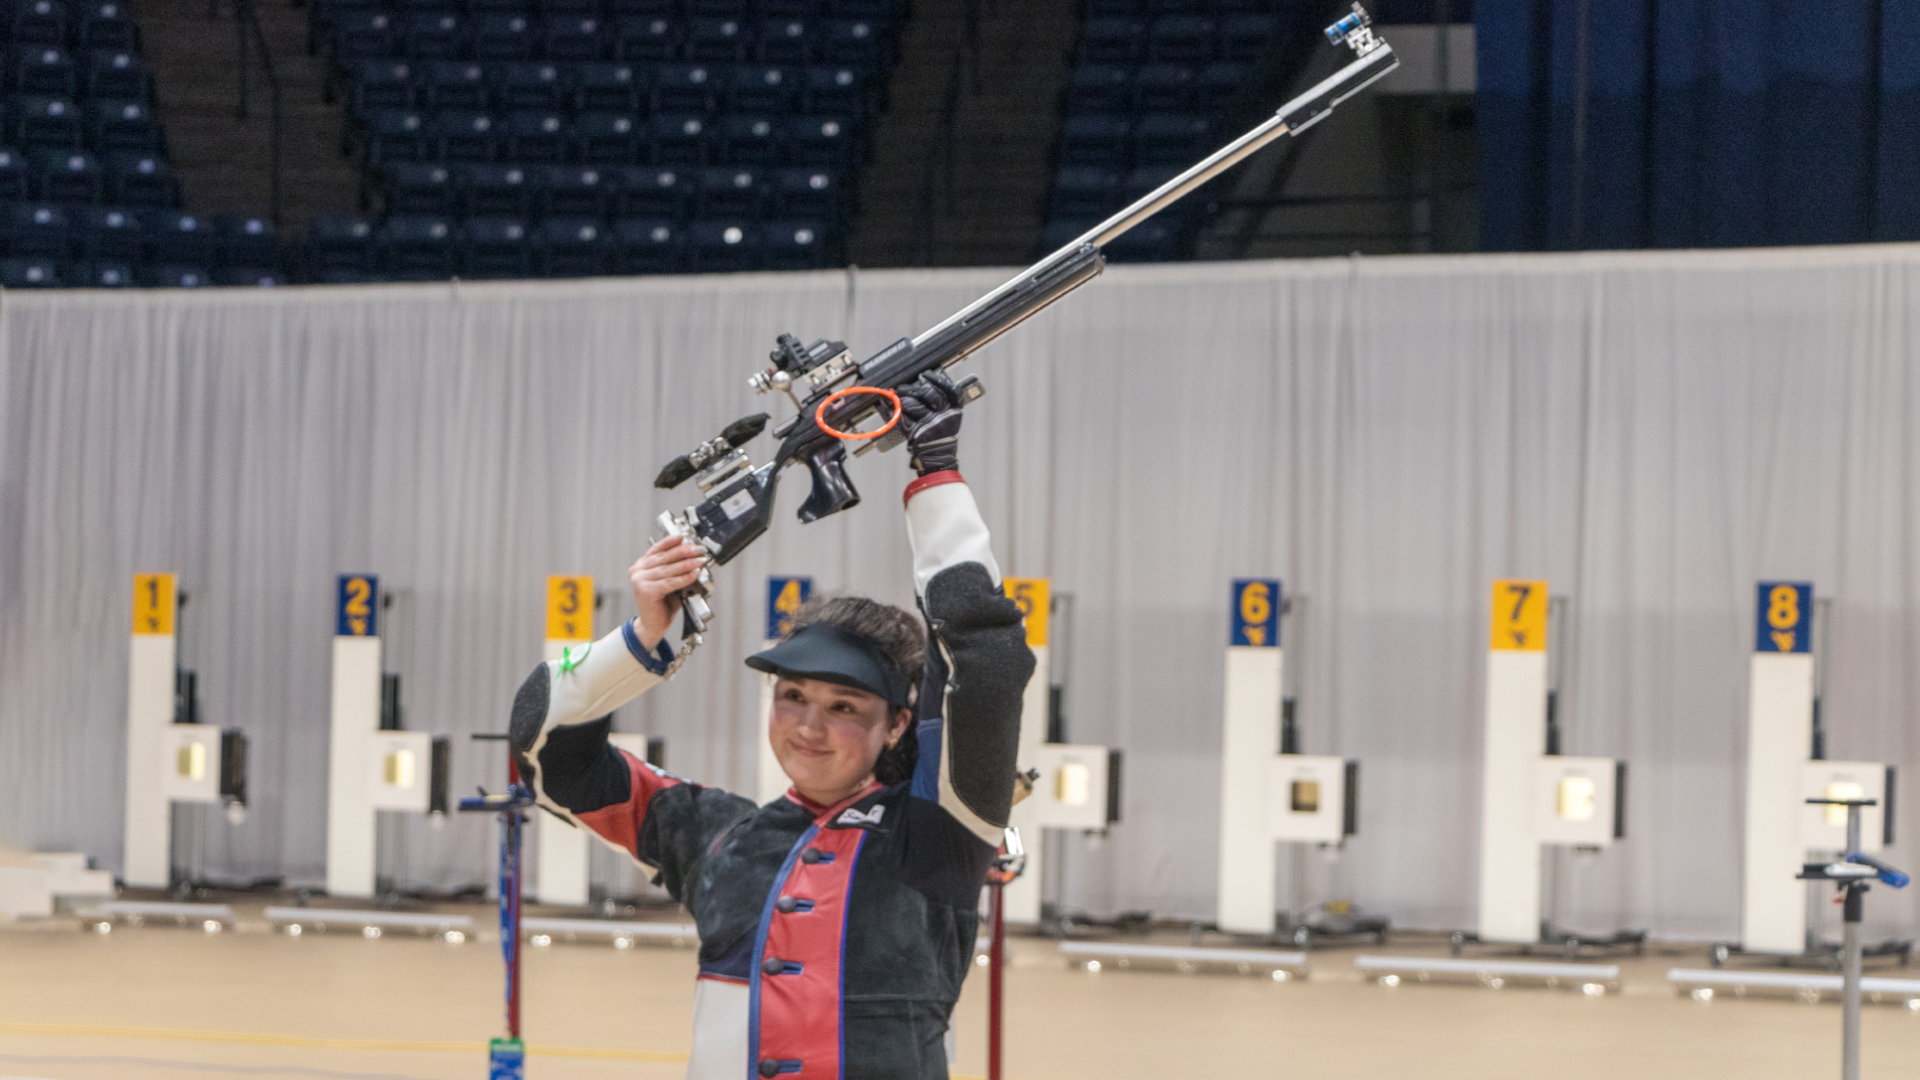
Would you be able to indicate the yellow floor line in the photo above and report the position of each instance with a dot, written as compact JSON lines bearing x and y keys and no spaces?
{"x":308,"y":1042}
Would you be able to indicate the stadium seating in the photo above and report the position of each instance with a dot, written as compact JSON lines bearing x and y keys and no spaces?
{"x":568,"y":137}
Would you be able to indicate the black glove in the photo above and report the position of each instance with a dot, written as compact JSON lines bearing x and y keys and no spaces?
{"x":932,"y":408}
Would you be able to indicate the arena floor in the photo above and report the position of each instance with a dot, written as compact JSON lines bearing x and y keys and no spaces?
{"x":185,"y":1005}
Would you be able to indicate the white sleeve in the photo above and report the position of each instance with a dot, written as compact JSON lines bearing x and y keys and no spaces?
{"x":945,"y":529}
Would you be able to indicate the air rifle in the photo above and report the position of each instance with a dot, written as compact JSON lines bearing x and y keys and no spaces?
{"x":739,"y":497}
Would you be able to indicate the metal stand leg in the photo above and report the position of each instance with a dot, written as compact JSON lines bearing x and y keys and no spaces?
{"x":996,"y":959}
{"x":1850,"y":986}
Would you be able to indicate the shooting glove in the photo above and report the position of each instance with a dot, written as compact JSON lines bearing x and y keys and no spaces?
{"x":932,"y":408}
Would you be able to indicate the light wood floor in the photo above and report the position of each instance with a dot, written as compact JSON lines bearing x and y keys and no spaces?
{"x":182,"y":1005}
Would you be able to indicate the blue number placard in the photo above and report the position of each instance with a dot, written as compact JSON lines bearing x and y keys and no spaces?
{"x":1255,"y":613}
{"x":359,"y":606}
{"x":784,"y":597}
{"x":1784,"y":617}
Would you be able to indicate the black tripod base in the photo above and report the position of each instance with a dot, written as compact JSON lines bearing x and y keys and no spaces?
{"x":1570,"y":946}
{"x":1824,"y":956}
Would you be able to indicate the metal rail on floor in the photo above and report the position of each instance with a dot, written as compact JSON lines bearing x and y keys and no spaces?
{"x":1187,"y":959}
{"x":1593,"y":979}
{"x":1704,"y":983}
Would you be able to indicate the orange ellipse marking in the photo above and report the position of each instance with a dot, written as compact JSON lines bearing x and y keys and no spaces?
{"x":819,"y":414}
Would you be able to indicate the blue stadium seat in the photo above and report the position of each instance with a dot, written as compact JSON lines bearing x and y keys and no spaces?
{"x":576,"y":39}
{"x":456,"y":84}
{"x":43,"y":69}
{"x":576,"y":191}
{"x":499,"y":7}
{"x":721,"y":246}
{"x":495,"y":247}
{"x":1169,"y":138}
{"x":498,"y":191}
{"x":1140,"y":181}
{"x":732,"y":9}
{"x":684,"y":88}
{"x":111,"y":234}
{"x":1094,"y":139}
{"x":678,"y":139}
{"x":416,"y":247}
{"x":412,"y":187}
{"x":604,"y":138}
{"x":748,"y":140}
{"x":652,"y":39}
{"x":818,"y":140}
{"x":528,"y":85}
{"x":1177,"y":7}
{"x":383,"y":84}
{"x":35,"y":230}
{"x":108,"y":26}
{"x":141,"y":180}
{"x":797,"y":245}
{"x":1182,"y":38}
{"x":461,"y":135}
{"x":13,"y":175}
{"x":1247,"y":37}
{"x":125,"y":126}
{"x":842,"y":91}
{"x":435,"y":35}
{"x":728,"y":192}
{"x":807,"y":193}
{"x":94,"y":274}
{"x":717,"y":40}
{"x":68,"y":177}
{"x":577,"y":8}
{"x":249,"y":277}
{"x":337,"y":246}
{"x":853,"y":41}
{"x":536,"y":138}
{"x":40,"y":22}
{"x":1102,"y":9}
{"x":572,"y":247}
{"x":249,"y":243}
{"x":504,"y":37}
{"x":1100,"y":88}
{"x":29,"y":273}
{"x":50,"y":122}
{"x":755,"y":88}
{"x":1151,"y":241}
{"x":360,"y":35}
{"x":1084,"y":191}
{"x":646,"y":246}
{"x":653,"y":192}
{"x":787,"y":41}
{"x":618,"y":8}
{"x":118,"y":74}
{"x":1162,"y":87}
{"x":1112,"y":40}
{"x":182,"y":276}
{"x":609,"y":87}
{"x":184,"y":240}
{"x":393,"y":135}
{"x":880,"y":10}
{"x":793,"y":9}
{"x":1220,"y":82}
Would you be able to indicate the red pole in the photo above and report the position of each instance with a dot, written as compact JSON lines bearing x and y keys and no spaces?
{"x":996,"y":958}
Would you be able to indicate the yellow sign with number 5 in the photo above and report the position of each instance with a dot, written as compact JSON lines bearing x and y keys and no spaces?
{"x":1034,"y":595}
{"x":1519,"y":616}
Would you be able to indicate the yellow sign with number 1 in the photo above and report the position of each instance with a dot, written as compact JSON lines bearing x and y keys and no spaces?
{"x":153,"y":603}
{"x":1519,"y":616}
{"x":1034,"y":595}
{"x":570,"y":608}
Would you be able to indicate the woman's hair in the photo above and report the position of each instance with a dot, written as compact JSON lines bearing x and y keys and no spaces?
{"x":901,"y":636}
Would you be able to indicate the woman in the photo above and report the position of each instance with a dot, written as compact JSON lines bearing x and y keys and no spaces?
{"x":837,"y":922}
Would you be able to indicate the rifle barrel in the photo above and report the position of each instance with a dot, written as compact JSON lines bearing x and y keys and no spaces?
{"x":1315,"y":104}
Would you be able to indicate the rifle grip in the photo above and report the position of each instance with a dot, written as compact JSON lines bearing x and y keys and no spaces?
{"x":832,"y":489}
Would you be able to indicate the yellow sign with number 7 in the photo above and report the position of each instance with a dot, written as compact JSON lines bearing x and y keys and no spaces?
{"x":1519,"y":616}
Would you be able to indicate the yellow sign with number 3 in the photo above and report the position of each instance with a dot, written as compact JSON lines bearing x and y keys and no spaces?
{"x":570,"y":608}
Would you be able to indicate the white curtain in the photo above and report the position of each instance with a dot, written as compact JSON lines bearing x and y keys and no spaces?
{"x":1653,"y":433}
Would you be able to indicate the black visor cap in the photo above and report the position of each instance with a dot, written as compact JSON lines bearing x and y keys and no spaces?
{"x":830,"y":654}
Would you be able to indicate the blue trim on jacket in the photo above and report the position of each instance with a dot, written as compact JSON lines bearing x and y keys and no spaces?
{"x":655,"y":661}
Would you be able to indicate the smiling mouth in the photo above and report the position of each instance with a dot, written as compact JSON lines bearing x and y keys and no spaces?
{"x":798,"y":749}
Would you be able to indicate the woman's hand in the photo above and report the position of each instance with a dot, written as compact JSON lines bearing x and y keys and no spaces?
{"x":659,"y":575}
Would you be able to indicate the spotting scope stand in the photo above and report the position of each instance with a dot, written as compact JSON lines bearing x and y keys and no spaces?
{"x":819,"y":378}
{"x":1853,"y":874}
{"x":506,"y":1057}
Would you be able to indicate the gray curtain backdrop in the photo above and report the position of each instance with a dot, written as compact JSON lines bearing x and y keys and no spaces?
{"x":1653,"y":433}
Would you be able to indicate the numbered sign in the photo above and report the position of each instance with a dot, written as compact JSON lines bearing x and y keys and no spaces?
{"x":784,"y":597}
{"x":1519,"y":616}
{"x":153,"y":603}
{"x":1034,"y":595}
{"x":1785,"y":622}
{"x":1256,"y":613}
{"x":359,"y":606}
{"x":570,"y":607}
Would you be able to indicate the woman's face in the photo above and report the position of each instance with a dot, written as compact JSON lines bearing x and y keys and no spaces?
{"x":827,"y":736}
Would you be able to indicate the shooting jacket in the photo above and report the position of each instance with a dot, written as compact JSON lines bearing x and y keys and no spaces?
{"x":833,"y":939}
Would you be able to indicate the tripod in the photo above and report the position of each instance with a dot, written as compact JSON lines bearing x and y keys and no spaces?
{"x":1853,"y":874}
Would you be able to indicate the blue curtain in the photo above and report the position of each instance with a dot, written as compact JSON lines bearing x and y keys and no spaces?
{"x":1697,"y":123}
